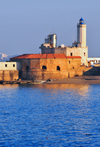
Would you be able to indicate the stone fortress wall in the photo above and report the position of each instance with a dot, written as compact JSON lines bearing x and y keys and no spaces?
{"x":9,"y":75}
{"x":49,"y":66}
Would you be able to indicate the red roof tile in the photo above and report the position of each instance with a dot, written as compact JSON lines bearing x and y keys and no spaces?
{"x":50,"y":56}
{"x":43,"y":56}
{"x":73,"y":56}
{"x":34,"y":56}
{"x":20,"y":56}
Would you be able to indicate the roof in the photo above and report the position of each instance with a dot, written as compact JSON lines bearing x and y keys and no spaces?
{"x":81,"y":19}
{"x":43,"y":56}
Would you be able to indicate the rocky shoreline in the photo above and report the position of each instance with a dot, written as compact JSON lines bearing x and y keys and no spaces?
{"x":22,"y":82}
{"x":74,"y":80}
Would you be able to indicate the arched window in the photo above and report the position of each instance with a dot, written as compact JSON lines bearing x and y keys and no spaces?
{"x":58,"y":68}
{"x":27,"y":68}
{"x":84,"y":53}
{"x":69,"y":62}
{"x":71,"y":54}
{"x":44,"y":67}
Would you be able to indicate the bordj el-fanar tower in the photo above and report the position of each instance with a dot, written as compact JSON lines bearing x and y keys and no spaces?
{"x":81,"y":33}
{"x":78,"y":47}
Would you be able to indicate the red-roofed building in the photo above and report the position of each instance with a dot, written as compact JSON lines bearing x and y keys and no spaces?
{"x":48,"y":66}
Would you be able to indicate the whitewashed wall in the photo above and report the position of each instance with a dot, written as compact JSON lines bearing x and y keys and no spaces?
{"x":10,"y":66}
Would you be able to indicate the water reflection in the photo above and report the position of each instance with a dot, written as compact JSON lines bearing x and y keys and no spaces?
{"x":53,"y":88}
{"x":7,"y":86}
{"x":76,"y":88}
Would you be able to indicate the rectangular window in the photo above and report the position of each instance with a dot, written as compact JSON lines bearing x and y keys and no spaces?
{"x":13,"y":65}
{"x":71,"y":54}
{"x":5,"y":65}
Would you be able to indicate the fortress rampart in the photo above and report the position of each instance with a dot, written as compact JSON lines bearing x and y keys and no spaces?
{"x":9,"y":75}
{"x":49,"y":66}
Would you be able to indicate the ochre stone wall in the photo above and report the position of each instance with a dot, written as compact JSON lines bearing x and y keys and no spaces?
{"x":32,"y":69}
{"x":9,"y":75}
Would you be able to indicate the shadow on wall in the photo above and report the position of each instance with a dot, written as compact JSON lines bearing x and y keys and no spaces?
{"x":95,"y":71}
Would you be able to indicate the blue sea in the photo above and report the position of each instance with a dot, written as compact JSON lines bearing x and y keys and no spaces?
{"x":53,"y":115}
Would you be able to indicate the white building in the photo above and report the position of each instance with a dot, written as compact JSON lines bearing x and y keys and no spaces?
{"x":78,"y":48}
{"x":94,"y":61}
{"x":10,"y":66}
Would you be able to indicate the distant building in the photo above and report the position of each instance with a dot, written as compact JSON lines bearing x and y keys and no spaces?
{"x":94,"y":61}
{"x":78,"y":48}
{"x":3,"y":56}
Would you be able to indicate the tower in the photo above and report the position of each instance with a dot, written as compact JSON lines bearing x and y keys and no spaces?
{"x":81,"y":33}
{"x":52,"y":39}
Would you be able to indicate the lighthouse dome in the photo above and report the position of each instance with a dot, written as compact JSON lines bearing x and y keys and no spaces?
{"x":81,"y":21}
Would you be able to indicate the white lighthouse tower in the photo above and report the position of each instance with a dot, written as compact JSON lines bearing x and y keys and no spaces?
{"x":81,"y":33}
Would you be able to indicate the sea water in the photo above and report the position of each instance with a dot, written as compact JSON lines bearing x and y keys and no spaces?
{"x":62,"y":115}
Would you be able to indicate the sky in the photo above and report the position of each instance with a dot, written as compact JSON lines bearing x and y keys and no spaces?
{"x":24,"y":24}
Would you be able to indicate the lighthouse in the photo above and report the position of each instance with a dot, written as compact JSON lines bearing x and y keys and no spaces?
{"x":81,"y":33}
{"x":78,"y":48}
